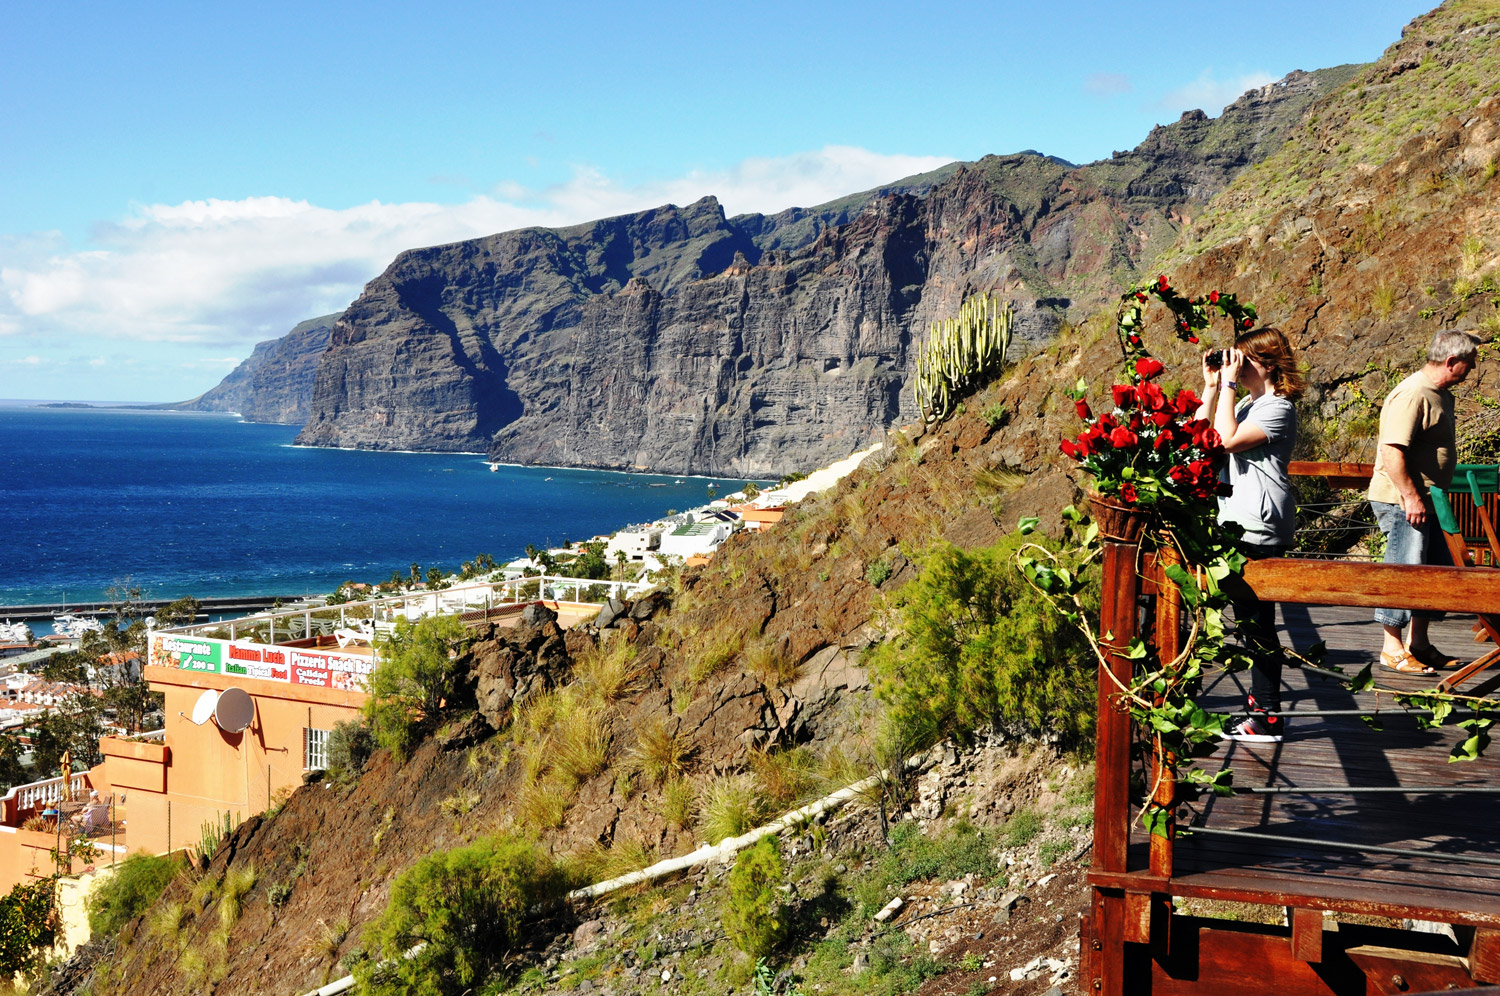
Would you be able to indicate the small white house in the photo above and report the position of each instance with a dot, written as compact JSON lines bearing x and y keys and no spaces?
{"x":694,"y":538}
{"x":635,"y":543}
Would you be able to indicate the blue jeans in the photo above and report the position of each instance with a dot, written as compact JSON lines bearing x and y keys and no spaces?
{"x":1406,"y":544}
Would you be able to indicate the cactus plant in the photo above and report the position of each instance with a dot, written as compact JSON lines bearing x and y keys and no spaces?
{"x":959,"y":351}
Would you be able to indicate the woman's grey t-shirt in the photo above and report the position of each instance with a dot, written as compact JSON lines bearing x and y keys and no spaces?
{"x":1263,"y":501}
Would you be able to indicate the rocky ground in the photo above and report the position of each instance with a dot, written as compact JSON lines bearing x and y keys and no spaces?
{"x":1005,"y":831}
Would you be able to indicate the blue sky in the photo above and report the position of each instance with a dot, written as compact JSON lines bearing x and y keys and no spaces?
{"x":180,"y":181}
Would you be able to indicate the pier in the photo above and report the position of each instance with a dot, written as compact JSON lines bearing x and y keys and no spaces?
{"x":207,"y":607}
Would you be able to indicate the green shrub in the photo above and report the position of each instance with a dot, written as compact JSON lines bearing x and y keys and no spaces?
{"x":136,"y":884}
{"x":995,"y":415}
{"x":467,"y":905}
{"x":349,"y":746}
{"x":28,"y":927}
{"x":1023,"y":828}
{"x":975,"y":644}
{"x":418,"y":671}
{"x":753,"y":917}
{"x":878,"y":572}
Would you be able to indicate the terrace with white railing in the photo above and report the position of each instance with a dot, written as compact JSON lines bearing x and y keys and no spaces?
{"x":474,"y":602}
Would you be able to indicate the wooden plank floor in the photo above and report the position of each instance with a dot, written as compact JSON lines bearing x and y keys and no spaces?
{"x":1323,"y":751}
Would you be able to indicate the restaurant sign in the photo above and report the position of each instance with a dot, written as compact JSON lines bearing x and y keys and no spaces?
{"x":241,"y":659}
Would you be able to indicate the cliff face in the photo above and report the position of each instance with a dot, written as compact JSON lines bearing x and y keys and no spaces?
{"x":679,"y":340}
{"x":274,"y":384}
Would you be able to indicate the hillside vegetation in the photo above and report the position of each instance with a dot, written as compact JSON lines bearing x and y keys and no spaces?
{"x":783,"y":668}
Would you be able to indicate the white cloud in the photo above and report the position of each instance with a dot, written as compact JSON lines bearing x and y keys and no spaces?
{"x":1106,"y":84}
{"x":1211,"y":94}
{"x":222,"y":274}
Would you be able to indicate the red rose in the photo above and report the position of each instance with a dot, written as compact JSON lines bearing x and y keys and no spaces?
{"x":1186,"y":402}
{"x":1161,"y":283}
{"x":1182,"y":325}
{"x":1124,"y":395}
{"x":1193,"y":339}
{"x":1070,"y":448}
{"x":1106,"y":422}
{"x":1249,"y":322}
{"x":1147,"y":367}
{"x":1127,"y":491}
{"x":1120,"y":437}
{"x":1162,"y":419}
{"x":1135,"y":340}
{"x":1082,"y":408}
{"x":1152,"y":398}
{"x":1139,"y":296}
{"x":1213,"y":297}
{"x":1211,"y":439}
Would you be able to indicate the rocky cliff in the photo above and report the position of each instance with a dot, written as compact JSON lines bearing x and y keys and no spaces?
{"x":274,"y":384}
{"x":681,"y":340}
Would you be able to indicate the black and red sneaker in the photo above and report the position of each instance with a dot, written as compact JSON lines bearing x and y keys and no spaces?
{"x":1256,"y":729}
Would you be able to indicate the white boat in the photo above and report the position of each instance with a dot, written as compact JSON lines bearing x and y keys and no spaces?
{"x":73,"y":626}
{"x":15,"y":632}
{"x":494,"y":468}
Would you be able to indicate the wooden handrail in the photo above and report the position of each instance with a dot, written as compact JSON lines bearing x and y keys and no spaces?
{"x":1338,"y":475}
{"x":1468,"y":590}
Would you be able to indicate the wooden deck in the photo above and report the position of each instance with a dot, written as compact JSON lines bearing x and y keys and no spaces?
{"x":1343,"y":751}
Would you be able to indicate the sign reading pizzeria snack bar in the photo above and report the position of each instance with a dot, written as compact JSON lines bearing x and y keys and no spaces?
{"x":241,"y":659}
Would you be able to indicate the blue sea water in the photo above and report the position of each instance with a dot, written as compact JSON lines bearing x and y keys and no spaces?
{"x":206,"y":505}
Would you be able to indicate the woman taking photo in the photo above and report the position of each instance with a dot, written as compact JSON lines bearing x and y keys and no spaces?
{"x":1258,"y":434}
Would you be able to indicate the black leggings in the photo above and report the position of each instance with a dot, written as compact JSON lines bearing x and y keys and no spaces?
{"x":1255,"y":621}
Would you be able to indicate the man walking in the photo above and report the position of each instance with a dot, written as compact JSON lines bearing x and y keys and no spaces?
{"x":1417,"y":451}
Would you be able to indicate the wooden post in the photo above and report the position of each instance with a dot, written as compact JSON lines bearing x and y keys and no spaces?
{"x":1117,"y":627}
{"x":1168,"y":646}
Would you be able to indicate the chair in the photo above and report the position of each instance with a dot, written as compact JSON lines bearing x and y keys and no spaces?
{"x":1472,"y":496}
{"x":1488,"y":628}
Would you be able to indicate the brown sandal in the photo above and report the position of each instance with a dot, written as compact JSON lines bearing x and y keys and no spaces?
{"x":1404,"y":662}
{"x":1434,"y":658}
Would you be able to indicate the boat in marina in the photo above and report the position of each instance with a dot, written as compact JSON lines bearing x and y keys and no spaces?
{"x":15,"y":632}
{"x":74,"y":626}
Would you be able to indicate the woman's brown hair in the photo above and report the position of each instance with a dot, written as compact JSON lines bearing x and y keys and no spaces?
{"x":1270,"y":348}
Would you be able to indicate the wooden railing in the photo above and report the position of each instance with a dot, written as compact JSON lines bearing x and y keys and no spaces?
{"x":1133,"y":905}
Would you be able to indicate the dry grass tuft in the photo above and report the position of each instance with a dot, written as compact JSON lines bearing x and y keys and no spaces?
{"x":460,"y":803}
{"x":237,"y":884}
{"x":660,"y":752}
{"x":165,"y":922}
{"x":542,"y":802}
{"x":715,"y":648}
{"x":678,"y":802}
{"x":728,"y":807}
{"x":768,"y":660}
{"x":786,"y":777}
{"x":609,"y":670}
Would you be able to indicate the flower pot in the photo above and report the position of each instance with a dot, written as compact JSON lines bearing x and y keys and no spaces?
{"x":1117,"y":521}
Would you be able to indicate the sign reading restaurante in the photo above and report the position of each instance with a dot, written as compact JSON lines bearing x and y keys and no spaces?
{"x":292,"y":665}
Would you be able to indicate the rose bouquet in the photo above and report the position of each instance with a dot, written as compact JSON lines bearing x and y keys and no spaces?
{"x":1150,"y":448}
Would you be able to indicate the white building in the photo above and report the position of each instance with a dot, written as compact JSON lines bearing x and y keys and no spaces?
{"x":635,"y":543}
{"x":694,"y":538}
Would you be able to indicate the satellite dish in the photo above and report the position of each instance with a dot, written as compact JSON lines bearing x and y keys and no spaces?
{"x":204,"y":707}
{"x":234,"y":710}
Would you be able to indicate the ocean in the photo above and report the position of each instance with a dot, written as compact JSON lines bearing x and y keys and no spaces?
{"x":197,"y":504}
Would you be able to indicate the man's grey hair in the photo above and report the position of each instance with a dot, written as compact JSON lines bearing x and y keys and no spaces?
{"x":1451,"y":344}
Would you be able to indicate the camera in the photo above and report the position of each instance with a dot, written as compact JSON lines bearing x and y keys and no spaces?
{"x":1214,"y":359}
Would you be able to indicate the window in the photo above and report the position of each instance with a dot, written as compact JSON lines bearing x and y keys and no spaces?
{"x":314,"y":749}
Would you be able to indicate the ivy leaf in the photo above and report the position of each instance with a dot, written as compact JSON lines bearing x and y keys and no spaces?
{"x":1091,"y":534}
{"x":1157,"y":819}
{"x":1363,"y":681}
{"x":1137,"y":650}
{"x":1472,"y":748}
{"x":1373,"y":722}
{"x":1028,"y":524}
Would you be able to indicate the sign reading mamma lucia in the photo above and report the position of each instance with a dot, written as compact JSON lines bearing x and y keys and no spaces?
{"x":292,"y":665}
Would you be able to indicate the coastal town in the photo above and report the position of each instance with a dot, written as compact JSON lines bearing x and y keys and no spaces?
{"x":247,"y":704}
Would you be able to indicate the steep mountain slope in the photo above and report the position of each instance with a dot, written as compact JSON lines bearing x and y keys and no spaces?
{"x":680,"y":340}
{"x":784,"y":615}
{"x":273,"y":384}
